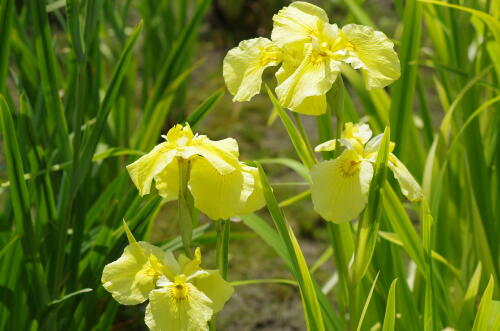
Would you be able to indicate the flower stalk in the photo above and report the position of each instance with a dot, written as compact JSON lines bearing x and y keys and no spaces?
{"x":184,"y":212}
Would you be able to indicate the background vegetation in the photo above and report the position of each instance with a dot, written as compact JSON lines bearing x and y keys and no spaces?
{"x":88,"y":85}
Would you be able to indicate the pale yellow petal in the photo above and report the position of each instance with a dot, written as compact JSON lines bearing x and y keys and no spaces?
{"x":189,"y":266}
{"x":326,"y":146}
{"x":409,"y":186}
{"x":216,"y":195}
{"x":359,"y":131}
{"x":167,"y":181}
{"x":296,"y":23}
{"x":373,"y":53}
{"x":223,"y":161}
{"x":243,"y":66}
{"x":148,"y":166}
{"x":127,"y":278}
{"x":314,"y":105}
{"x":228,"y":146}
{"x":340,"y":187}
{"x":216,"y":288}
{"x":313,"y":77}
{"x":255,"y":199}
{"x":179,"y":134}
{"x":165,"y":313}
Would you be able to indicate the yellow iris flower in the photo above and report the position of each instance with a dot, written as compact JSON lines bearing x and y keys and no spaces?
{"x":182,"y":296}
{"x":311,"y":52}
{"x":221,"y":185}
{"x":340,"y":187}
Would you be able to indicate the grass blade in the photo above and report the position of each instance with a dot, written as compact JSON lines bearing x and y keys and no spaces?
{"x":299,"y":266}
{"x":390,"y":308}
{"x":370,"y":222}
{"x":367,"y":303}
{"x":202,"y":110}
{"x":301,"y":147}
{"x":482,"y":317}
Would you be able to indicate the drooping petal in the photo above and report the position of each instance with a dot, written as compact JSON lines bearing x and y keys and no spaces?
{"x":314,"y":77}
{"x":340,"y":187}
{"x":296,"y":23}
{"x":148,"y":166}
{"x":409,"y":186}
{"x":326,"y":146}
{"x":313,"y":105}
{"x":166,"y":312}
{"x":373,"y":53}
{"x":131,"y":278}
{"x":216,"y":288}
{"x":167,"y":181}
{"x":255,"y":199}
{"x":227,"y":146}
{"x":223,"y":161}
{"x":216,"y":195}
{"x":243,"y":66}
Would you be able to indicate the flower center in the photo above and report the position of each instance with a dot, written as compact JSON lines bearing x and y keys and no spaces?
{"x":270,"y":54}
{"x":350,"y":167}
{"x":179,"y":290}
{"x":153,"y":268}
{"x":318,"y":57}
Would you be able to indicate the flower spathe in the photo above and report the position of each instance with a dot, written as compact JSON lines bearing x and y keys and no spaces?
{"x":340,"y":187}
{"x":221,"y":185}
{"x":311,"y":52}
{"x":182,"y":296}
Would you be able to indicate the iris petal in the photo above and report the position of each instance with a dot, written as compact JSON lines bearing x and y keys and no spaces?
{"x":148,"y":166}
{"x":165,"y":313}
{"x":313,"y":78}
{"x":296,"y":23}
{"x":409,"y":186}
{"x":244,"y":65}
{"x":373,"y":53}
{"x":216,"y":288}
{"x":340,"y":187}
{"x":129,"y":279}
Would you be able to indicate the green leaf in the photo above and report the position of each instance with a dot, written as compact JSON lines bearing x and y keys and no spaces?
{"x":6,"y":7}
{"x":21,"y":204}
{"x":390,"y":308}
{"x":296,"y":166}
{"x":299,"y":266}
{"x":301,"y":147}
{"x":482,"y":317}
{"x":490,"y":20}
{"x":402,"y":225}
{"x":172,"y":66}
{"x":195,"y":118}
{"x":110,"y":95}
{"x":469,"y":300}
{"x":70,"y":295}
{"x":403,"y":90}
{"x":367,"y":303}
{"x":50,"y":84}
{"x":370,"y":222}
{"x":431,"y":319}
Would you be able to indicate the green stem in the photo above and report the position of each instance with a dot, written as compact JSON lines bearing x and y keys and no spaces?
{"x":184,"y":214}
{"x":223,"y":229}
